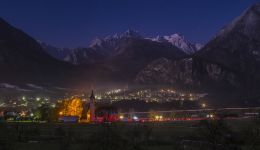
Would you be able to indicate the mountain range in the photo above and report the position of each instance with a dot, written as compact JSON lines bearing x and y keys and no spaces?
{"x":229,"y":63}
{"x":179,"y":41}
{"x":101,"y":48}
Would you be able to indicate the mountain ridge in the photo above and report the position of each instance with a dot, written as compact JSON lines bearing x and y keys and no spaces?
{"x":101,"y":48}
{"x":22,"y":59}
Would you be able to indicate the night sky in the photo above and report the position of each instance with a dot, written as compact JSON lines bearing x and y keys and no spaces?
{"x":73,"y":23}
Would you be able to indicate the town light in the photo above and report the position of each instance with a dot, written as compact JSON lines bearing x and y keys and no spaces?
{"x":135,"y":118}
{"x":22,"y":114}
{"x":60,"y":113}
{"x":210,"y":116}
{"x":203,"y":105}
{"x":157,"y":117}
{"x":121,"y":117}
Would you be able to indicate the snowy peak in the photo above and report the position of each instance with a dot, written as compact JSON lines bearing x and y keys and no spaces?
{"x":96,"y":42}
{"x":131,"y":34}
{"x":111,"y":40}
{"x":179,"y":41}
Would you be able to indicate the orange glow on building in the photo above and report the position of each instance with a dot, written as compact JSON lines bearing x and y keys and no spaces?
{"x":72,"y":107}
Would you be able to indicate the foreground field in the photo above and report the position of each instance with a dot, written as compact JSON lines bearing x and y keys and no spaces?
{"x":195,"y":135}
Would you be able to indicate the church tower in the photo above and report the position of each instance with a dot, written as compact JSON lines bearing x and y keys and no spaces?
{"x":92,"y":107}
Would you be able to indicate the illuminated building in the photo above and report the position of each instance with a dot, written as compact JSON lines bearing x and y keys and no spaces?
{"x":73,"y":107}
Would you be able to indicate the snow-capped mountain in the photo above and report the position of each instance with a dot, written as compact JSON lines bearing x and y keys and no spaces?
{"x":228,"y":64}
{"x":102,"y":48}
{"x":111,"y":42}
{"x":109,"y":46}
{"x":179,"y":41}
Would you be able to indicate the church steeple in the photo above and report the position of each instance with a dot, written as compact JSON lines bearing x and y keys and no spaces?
{"x":92,"y":96}
{"x":92,"y":107}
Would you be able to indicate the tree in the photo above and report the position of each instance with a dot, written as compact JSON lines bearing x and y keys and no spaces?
{"x":46,"y":113}
{"x":217,"y":134}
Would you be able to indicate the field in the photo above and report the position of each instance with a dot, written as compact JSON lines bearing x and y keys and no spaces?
{"x":219,"y":134}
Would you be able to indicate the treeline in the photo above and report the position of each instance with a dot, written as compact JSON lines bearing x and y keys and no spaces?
{"x":203,"y":135}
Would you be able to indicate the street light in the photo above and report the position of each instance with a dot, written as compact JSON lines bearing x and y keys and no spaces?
{"x":135,"y":118}
{"x":203,"y":105}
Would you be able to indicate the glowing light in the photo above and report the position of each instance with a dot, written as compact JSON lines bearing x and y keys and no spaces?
{"x":23,"y":98}
{"x":135,"y":118}
{"x":121,"y":117}
{"x":203,"y":105}
{"x":31,"y":114}
{"x":60,"y":113}
{"x":210,"y":116}
{"x":38,"y":99}
{"x":72,"y":107}
{"x":157,"y":117}
{"x":22,"y":114}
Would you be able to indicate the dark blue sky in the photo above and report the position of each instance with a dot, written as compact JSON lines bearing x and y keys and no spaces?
{"x":72,"y":23}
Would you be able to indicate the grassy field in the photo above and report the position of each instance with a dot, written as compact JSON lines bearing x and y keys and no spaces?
{"x":231,"y":134}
